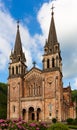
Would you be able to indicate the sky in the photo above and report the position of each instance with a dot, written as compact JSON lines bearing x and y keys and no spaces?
{"x":34,"y":17}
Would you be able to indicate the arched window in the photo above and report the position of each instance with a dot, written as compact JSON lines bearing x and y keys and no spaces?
{"x":12,"y":70}
{"x":16,"y":69}
{"x":53,"y":62}
{"x":23,"y":113}
{"x":56,"y":61}
{"x":50,"y":107}
{"x":9,"y":70}
{"x":47,"y":63}
{"x":56,"y":48}
{"x":39,"y":90}
{"x":34,"y":89}
{"x":30,"y":90}
{"x":13,"y":108}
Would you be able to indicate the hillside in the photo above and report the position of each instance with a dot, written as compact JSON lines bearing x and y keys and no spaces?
{"x":3,"y":100}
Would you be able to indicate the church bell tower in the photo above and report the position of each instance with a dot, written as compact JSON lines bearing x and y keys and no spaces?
{"x":17,"y":70}
{"x":17,"y":66}
{"x":52,"y":58}
{"x":52,"y":71}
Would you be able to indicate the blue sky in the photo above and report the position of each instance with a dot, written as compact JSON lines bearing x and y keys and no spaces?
{"x":25,"y":9}
{"x":34,"y":16}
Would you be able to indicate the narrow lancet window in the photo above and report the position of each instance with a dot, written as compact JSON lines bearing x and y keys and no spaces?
{"x":12,"y":70}
{"x":16,"y":69}
{"x":47,"y":63}
{"x":53,"y":62}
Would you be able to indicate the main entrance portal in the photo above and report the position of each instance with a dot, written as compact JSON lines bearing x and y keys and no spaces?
{"x":31,"y":114}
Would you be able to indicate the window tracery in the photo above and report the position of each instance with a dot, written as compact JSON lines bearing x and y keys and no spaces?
{"x":14,"y":108}
{"x":34,"y":86}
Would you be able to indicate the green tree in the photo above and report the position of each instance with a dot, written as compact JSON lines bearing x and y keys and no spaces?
{"x":3,"y":100}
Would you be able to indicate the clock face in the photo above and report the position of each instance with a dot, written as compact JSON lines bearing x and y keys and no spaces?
{"x":14,"y":85}
{"x":14,"y":90}
{"x":50,"y":81}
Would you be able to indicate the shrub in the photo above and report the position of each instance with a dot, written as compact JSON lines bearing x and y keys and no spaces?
{"x":42,"y":126}
{"x":58,"y":126}
{"x":69,"y":121}
{"x":54,"y":120}
{"x":74,"y":122}
{"x":72,"y":127}
{"x":20,"y":124}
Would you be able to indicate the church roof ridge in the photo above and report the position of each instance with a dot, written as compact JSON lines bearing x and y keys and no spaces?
{"x":32,"y":69}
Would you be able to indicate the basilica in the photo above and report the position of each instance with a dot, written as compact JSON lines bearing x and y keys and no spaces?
{"x":38,"y":94}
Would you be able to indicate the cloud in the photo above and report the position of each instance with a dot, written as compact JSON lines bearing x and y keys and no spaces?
{"x":66,"y":27}
{"x":7,"y":36}
{"x":7,"y":39}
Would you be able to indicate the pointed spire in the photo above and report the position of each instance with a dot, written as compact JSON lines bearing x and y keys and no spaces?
{"x":18,"y":54}
{"x":18,"y":45}
{"x":52,"y":49}
{"x":52,"y":38}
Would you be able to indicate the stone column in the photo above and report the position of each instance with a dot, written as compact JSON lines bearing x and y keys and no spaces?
{"x":35,"y":112}
{"x":45,"y":64}
{"x":8,"y":102}
{"x":27,"y":114}
{"x":43,"y":87}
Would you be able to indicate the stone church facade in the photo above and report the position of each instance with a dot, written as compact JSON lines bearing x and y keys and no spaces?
{"x":38,"y":94}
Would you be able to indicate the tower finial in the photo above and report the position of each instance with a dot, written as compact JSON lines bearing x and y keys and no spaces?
{"x":18,"y":24}
{"x":34,"y":63}
{"x":52,"y":9}
{"x":69,"y":83}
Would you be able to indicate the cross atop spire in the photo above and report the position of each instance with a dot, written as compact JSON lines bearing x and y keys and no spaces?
{"x":52,"y":9}
{"x":34,"y":63}
{"x":18,"y":23}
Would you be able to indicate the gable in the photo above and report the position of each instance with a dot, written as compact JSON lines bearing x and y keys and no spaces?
{"x":34,"y":72}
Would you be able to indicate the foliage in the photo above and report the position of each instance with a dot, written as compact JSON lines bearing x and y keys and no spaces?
{"x":72,"y":126}
{"x":42,"y":126}
{"x":74,"y":121}
{"x":20,"y":124}
{"x":58,"y":126}
{"x":3,"y":100}
{"x":69,"y":121}
{"x":54,"y":120}
{"x":74,"y":99}
{"x":74,"y":95}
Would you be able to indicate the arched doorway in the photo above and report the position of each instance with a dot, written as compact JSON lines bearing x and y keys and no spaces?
{"x":31,"y":113}
{"x":38,"y":114}
{"x":23,"y":114}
